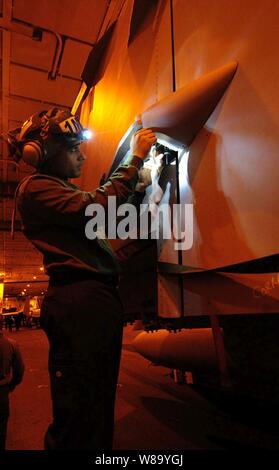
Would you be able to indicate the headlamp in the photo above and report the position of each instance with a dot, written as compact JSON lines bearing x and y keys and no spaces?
{"x":86,"y":134}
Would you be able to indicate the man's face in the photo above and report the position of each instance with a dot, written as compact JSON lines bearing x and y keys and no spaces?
{"x":69,"y":162}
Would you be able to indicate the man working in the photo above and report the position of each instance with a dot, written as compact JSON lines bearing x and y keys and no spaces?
{"x":11,"y":374}
{"x":81,"y":312}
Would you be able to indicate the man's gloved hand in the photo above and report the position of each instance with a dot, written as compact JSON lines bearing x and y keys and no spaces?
{"x":144,"y":180}
{"x":150,"y":172}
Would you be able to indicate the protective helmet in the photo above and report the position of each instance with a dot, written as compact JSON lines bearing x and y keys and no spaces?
{"x":44,"y":134}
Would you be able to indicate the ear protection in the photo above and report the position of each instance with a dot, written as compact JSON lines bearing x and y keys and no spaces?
{"x":33,"y":153}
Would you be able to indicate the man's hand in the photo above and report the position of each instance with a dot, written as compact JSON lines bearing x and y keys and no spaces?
{"x":144,"y":180}
{"x":150,"y":172}
{"x":142,"y":142}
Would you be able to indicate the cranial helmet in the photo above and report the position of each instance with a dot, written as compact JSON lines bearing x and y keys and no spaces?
{"x":43,"y":135}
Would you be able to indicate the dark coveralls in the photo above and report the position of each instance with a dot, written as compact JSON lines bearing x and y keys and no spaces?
{"x":11,"y":374}
{"x":81,"y":313}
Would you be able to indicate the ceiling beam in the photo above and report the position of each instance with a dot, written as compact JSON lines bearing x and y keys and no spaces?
{"x":11,"y":27}
{"x":40,"y":281}
{"x":6,"y":56}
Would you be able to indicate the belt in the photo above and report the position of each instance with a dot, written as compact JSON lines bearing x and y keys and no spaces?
{"x":76,"y":275}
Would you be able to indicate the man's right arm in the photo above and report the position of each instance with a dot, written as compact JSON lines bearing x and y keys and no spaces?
{"x":63,"y":205}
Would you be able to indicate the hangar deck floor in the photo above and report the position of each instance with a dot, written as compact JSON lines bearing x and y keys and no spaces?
{"x":152,"y":412}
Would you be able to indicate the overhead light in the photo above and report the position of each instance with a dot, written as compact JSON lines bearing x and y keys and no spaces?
{"x":28,"y":285}
{"x":41,"y":268}
{"x":34,"y":277}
